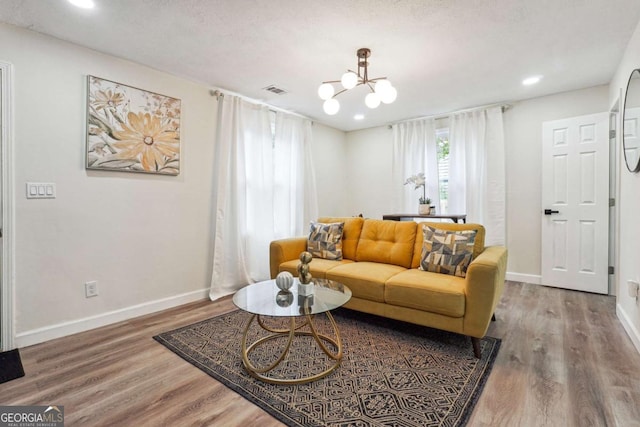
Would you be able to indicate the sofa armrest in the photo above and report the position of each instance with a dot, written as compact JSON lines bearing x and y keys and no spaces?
{"x":285,"y":250}
{"x":484,"y":285}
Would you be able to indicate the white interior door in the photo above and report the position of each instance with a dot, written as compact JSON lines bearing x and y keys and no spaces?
{"x":575,"y":203}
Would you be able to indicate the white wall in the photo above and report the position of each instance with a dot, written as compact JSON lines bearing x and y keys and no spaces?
{"x":368,"y":182}
{"x":146,"y":239}
{"x":628,"y":251}
{"x":143,"y":237}
{"x":370,"y":152}
{"x":330,"y":164}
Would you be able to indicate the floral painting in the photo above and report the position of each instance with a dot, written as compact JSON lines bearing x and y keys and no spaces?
{"x":131,"y":129}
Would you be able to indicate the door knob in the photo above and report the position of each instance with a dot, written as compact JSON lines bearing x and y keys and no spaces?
{"x":549,"y":212}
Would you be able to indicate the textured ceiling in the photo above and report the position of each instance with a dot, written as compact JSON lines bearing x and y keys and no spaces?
{"x":441,"y":55}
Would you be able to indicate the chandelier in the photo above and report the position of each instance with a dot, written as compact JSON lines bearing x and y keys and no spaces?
{"x":381,"y":88}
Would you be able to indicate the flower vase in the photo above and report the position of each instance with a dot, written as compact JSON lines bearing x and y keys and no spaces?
{"x":424,"y":209}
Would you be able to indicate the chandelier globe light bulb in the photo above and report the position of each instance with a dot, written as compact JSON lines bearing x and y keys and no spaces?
{"x":372,"y":100}
{"x":349,"y":80}
{"x":382,"y":86}
{"x":326,"y":91}
{"x":389,"y":95}
{"x":84,"y":4}
{"x":331,"y":106}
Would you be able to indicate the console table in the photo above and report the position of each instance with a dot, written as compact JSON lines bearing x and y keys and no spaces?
{"x":404,"y":217}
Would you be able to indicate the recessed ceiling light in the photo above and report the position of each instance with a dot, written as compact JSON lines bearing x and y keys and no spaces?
{"x":531,"y":80}
{"x":85,"y":4}
{"x":358,"y":117}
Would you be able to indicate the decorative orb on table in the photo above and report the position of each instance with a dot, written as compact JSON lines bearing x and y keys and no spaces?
{"x":284,"y":280}
{"x":306,"y":257}
{"x":305,"y":287}
{"x":284,"y":298}
{"x":303,"y":267}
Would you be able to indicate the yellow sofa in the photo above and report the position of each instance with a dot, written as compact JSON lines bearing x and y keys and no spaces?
{"x":380,"y":266}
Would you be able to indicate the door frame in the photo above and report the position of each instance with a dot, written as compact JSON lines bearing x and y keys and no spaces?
{"x":615,"y":125}
{"x":7,"y":275}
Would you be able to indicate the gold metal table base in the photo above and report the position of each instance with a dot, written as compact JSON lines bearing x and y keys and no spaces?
{"x":261,"y":373}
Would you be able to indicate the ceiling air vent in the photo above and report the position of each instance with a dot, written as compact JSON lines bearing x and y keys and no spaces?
{"x":275,"y":89}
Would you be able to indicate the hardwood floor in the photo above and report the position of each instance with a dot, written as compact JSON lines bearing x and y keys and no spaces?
{"x":565,"y":360}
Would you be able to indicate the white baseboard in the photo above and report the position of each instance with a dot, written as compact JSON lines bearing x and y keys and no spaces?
{"x":526,"y":278}
{"x":628,"y":326}
{"x":47,"y":333}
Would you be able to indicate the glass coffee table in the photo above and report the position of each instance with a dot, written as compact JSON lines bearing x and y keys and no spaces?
{"x":265,"y":299}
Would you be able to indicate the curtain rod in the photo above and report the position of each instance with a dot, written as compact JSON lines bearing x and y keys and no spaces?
{"x":219,"y":93}
{"x":504,"y":106}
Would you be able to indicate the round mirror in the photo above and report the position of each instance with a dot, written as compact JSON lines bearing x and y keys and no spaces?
{"x":631,"y":123}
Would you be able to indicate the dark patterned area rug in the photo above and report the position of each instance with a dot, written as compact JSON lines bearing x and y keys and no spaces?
{"x":392,"y":373}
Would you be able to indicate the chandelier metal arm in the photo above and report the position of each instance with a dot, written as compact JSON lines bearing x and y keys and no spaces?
{"x":360,"y":83}
{"x":338,"y":93}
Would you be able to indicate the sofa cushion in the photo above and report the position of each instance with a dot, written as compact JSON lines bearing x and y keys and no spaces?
{"x":478,"y":245}
{"x":387,"y":242}
{"x":423,"y":290}
{"x":447,"y":252}
{"x":350,"y":234}
{"x":318,"y":267}
{"x":365,"y":279}
{"x":325,"y":240}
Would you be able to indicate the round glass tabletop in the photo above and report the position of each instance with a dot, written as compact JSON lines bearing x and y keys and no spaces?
{"x":265,"y":299}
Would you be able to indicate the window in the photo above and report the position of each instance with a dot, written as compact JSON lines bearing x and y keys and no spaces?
{"x":442,"y":141}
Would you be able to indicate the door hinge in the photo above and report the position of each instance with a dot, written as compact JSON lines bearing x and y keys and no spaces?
{"x":611,"y":269}
{"x":612,"y":133}
{"x":612,"y":202}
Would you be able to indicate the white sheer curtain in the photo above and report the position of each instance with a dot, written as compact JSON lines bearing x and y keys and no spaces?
{"x":294,"y":189}
{"x":265,"y":189}
{"x":477,"y":170}
{"x":414,"y":151}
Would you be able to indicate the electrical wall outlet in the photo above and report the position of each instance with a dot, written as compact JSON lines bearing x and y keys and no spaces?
{"x":633,"y":288}
{"x":91,"y":289}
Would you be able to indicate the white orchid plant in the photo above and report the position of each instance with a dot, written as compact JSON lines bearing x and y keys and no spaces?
{"x":419,"y":181}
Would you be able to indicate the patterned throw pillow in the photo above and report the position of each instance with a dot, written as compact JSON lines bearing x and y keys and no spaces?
{"x":447,"y":252}
{"x":325,"y":240}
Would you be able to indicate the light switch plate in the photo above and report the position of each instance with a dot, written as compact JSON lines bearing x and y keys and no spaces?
{"x":41,"y":190}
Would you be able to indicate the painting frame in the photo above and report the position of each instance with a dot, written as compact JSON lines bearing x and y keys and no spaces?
{"x":131,"y":129}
